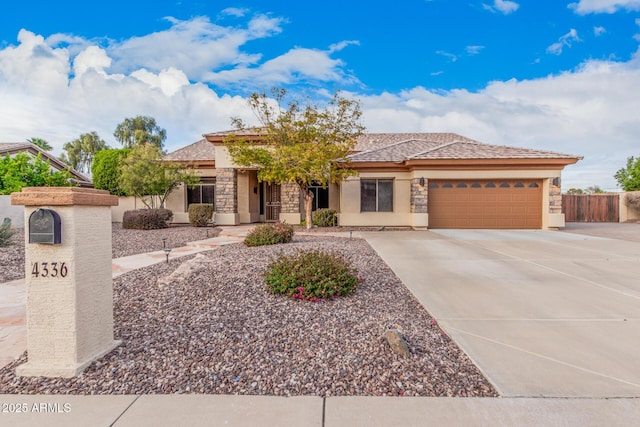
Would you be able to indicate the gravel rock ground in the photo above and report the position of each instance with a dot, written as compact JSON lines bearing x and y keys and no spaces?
{"x":220,"y":332}
{"x":12,"y":258}
{"x":123,"y":243}
{"x":131,"y":242}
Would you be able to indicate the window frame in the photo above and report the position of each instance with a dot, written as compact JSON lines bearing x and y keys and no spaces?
{"x":199,"y":187}
{"x":364,"y":181}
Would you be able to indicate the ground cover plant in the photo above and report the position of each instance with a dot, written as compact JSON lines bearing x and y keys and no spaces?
{"x":269,"y":234}
{"x":147,"y":219}
{"x":200,"y":214}
{"x":311,"y":275}
{"x":325,"y":218}
{"x":5,"y":233}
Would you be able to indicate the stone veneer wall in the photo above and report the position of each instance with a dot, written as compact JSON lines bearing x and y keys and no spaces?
{"x":289,"y":198}
{"x":419,"y":196}
{"x":555,"y":197}
{"x":227,"y":191}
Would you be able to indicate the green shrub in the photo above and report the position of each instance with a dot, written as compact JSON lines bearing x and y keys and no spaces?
{"x":5,"y":233}
{"x":325,"y":218}
{"x":269,"y":234}
{"x":147,"y":219}
{"x":200,"y":214}
{"x":311,"y":275}
{"x":106,"y":170}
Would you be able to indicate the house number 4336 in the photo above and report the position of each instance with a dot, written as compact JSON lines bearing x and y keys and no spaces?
{"x":49,"y":269}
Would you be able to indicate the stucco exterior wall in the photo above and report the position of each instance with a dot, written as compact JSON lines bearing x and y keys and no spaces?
{"x":350,"y":214}
{"x":627,"y":213}
{"x":248,"y":197}
{"x":14,"y":213}
{"x":404,"y":214}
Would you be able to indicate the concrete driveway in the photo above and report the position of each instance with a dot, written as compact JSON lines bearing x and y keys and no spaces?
{"x":541,"y":313}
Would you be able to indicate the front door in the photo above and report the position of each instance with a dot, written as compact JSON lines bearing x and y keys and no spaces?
{"x":272,"y":202}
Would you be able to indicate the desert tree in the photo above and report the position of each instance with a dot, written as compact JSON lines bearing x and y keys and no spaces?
{"x":144,"y":175}
{"x":140,"y":130}
{"x":302,"y":142}
{"x":79,"y":153}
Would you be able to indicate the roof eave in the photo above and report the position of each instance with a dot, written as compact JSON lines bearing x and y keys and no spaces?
{"x":466,"y":164}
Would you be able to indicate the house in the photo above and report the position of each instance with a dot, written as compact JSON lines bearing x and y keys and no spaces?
{"x":13,"y":148}
{"x":420,"y":180}
{"x":16,"y":213}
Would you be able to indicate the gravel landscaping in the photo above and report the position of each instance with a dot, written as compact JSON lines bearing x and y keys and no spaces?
{"x":219,"y":332}
{"x":123,"y":243}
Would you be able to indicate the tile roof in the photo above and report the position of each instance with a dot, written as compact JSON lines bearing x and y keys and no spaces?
{"x":201,"y":150}
{"x":431,"y":146}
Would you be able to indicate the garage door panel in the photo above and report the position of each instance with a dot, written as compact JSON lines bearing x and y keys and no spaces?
{"x":485,"y":204}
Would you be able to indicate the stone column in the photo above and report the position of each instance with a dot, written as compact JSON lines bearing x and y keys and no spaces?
{"x":227,"y":197}
{"x":419,"y":203}
{"x":69,"y":285}
{"x":290,"y":203}
{"x":555,"y":196}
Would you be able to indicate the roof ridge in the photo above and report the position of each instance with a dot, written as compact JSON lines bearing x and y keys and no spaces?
{"x":384,"y":147}
{"x":446,"y":144}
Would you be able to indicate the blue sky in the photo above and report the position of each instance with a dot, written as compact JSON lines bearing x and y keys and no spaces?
{"x":549,"y":74}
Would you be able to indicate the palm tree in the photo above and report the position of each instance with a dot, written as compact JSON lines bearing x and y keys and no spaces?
{"x":40,"y":143}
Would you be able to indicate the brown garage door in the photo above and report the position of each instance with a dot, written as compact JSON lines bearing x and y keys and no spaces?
{"x":485,"y":204}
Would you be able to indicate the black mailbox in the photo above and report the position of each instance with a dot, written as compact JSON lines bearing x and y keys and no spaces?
{"x":45,"y":227}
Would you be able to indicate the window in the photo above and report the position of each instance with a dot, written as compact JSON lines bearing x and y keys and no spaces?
{"x":203,"y":192}
{"x":376,"y":195}
{"x":320,"y":197}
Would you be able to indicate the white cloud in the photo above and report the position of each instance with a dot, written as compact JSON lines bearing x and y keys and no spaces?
{"x":503,"y":6}
{"x":92,"y":58}
{"x":598,"y":31}
{"x":584,"y":7}
{"x":235,"y":11}
{"x":296,"y":65}
{"x":452,"y":57}
{"x":474,"y":50}
{"x":195,"y":46}
{"x":565,"y":41}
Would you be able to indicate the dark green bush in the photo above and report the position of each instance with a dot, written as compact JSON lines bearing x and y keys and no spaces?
{"x":200,"y":214}
{"x":325,"y":218}
{"x":5,"y":233}
{"x":311,"y":275}
{"x":269,"y":234}
{"x":106,"y":170}
{"x":147,"y":219}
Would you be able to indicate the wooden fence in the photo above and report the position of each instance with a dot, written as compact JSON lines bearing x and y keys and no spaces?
{"x":591,"y":207}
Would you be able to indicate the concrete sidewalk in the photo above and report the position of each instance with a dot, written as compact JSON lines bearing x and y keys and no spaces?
{"x":249,"y":411}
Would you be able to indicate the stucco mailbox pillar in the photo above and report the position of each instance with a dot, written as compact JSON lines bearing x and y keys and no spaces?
{"x":68,"y":278}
